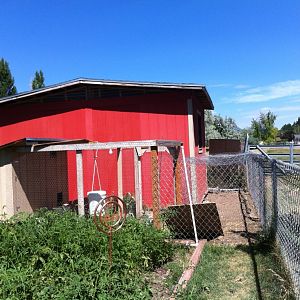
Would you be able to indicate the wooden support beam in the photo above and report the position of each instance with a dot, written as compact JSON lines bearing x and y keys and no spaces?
{"x":138,"y":182}
{"x":79,"y":171}
{"x":191,"y":132}
{"x":155,"y":187}
{"x":7,"y":177}
{"x":120,"y":172}
{"x":175,"y":152}
{"x":177,"y":179}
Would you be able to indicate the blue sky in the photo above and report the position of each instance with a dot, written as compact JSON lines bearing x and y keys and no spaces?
{"x":246,"y":52}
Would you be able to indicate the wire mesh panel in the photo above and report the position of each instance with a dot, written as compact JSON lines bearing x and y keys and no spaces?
{"x":287,"y":211}
{"x":183,"y":186}
{"x":226,"y":172}
{"x":260,"y":186}
{"x":40,"y":180}
{"x":174,"y":202}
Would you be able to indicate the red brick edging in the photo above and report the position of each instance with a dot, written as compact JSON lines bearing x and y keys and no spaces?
{"x":188,"y":272}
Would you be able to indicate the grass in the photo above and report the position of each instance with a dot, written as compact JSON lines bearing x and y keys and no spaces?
{"x":49,"y":255}
{"x":285,"y":150}
{"x":276,"y":153}
{"x":233,"y":272}
{"x":178,"y":265}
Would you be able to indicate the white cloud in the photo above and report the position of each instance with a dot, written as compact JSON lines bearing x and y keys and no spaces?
{"x":241,"y":86}
{"x":229,"y":85}
{"x":284,"y":89}
{"x":219,"y":85}
{"x":293,"y":108}
{"x":284,"y":114}
{"x":256,"y":112}
{"x":296,"y":100}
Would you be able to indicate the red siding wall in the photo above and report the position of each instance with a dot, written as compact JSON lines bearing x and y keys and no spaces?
{"x":157,"y":116}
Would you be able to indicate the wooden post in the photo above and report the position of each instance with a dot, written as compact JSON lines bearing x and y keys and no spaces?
{"x":7,"y":178}
{"x":80,"y":194}
{"x":191,"y":131}
{"x":155,"y":187}
{"x":178,"y":188}
{"x":120,"y":172}
{"x":176,"y":175}
{"x":138,"y":182}
{"x":191,"y":134}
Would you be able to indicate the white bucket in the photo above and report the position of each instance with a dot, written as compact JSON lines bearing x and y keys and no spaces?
{"x":95,"y":197}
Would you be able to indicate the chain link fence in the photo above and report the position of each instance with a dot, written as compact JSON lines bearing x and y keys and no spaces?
{"x":275,"y":190}
{"x":173,"y":190}
{"x":273,"y":186}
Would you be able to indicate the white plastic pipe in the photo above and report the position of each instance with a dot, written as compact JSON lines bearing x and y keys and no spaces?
{"x":189,"y":194}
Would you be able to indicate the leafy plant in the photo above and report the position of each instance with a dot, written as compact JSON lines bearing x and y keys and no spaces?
{"x":130,"y":203}
{"x":51,"y":255}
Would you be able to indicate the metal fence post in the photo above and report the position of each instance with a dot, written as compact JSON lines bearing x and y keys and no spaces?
{"x":291,"y":152}
{"x":275,"y":198}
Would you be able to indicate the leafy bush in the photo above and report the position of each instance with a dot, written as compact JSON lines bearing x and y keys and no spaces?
{"x":49,"y":255}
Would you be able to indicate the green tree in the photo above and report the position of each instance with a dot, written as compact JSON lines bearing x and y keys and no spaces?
{"x":252,"y":140}
{"x":38,"y":81}
{"x":210,"y":129}
{"x":296,"y":126}
{"x":264,"y":128}
{"x":7,"y":82}
{"x":227,"y":127}
{"x":296,"y":129}
{"x":217,"y":127}
{"x":287,"y":132}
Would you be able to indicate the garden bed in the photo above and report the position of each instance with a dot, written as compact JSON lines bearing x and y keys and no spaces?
{"x":52,"y":255}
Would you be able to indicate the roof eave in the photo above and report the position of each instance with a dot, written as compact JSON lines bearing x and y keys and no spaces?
{"x":210,"y":103}
{"x":103,"y":83}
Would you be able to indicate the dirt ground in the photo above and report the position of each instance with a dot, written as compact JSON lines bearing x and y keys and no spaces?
{"x":238,"y":216}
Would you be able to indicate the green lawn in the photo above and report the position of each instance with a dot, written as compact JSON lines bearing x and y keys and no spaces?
{"x":286,"y":150}
{"x":231,"y":272}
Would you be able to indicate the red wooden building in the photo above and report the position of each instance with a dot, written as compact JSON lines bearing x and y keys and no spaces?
{"x":105,"y":111}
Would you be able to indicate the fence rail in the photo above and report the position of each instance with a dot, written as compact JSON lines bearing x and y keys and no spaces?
{"x":286,"y":152}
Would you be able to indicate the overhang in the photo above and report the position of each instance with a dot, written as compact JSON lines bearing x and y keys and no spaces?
{"x":113,"y":88}
{"x":33,"y":142}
